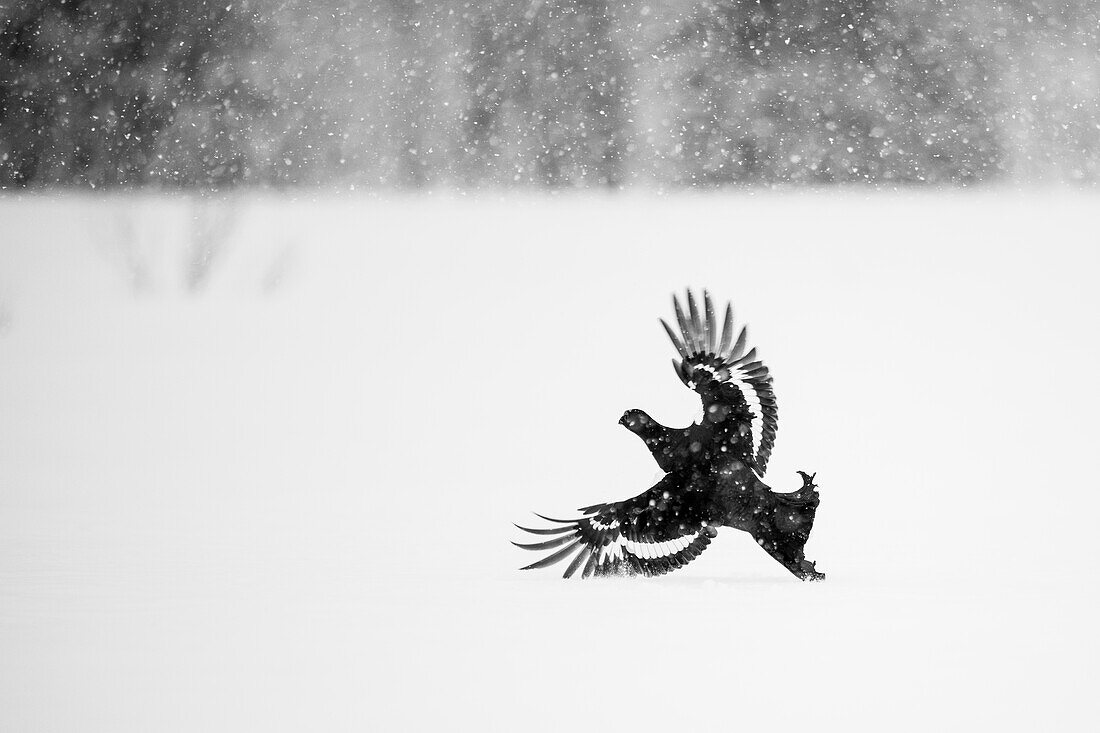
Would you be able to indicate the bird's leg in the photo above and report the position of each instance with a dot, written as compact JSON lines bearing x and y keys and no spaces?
{"x":789,"y":554}
{"x":782,"y":527}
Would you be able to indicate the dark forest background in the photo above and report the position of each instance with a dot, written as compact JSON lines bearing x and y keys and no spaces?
{"x":550,"y":93}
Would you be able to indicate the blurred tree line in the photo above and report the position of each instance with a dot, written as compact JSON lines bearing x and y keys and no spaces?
{"x":386,"y":93}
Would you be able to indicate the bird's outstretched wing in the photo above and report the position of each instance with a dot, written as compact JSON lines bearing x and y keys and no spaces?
{"x":654,"y":533}
{"x":717,"y":366}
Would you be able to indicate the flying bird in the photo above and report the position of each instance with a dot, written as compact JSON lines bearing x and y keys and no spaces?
{"x":713,"y":470}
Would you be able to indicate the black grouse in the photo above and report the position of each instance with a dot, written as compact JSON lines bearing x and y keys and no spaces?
{"x":713,"y":470}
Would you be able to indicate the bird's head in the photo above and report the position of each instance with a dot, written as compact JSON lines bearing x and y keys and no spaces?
{"x":637,"y":421}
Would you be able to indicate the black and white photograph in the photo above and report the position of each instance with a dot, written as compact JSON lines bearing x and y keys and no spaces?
{"x":549,"y":365}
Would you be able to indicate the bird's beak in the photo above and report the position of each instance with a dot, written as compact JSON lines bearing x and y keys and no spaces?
{"x":622,"y":420}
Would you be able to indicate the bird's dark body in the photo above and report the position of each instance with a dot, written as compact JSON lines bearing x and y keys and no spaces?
{"x":712,"y":474}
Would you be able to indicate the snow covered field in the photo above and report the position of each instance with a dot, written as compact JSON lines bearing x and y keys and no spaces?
{"x":259,"y":460}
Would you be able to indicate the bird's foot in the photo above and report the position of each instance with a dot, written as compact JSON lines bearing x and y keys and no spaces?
{"x":808,"y":571}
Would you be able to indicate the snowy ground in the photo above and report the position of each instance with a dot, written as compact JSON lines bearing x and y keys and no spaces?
{"x":275,"y":492}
